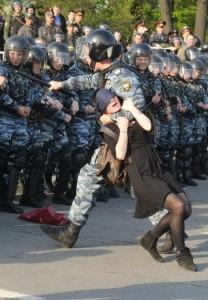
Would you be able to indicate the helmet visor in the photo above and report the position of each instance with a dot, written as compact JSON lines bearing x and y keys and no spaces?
{"x":59,"y":58}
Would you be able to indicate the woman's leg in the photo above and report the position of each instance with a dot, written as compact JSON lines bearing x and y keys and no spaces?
{"x":173,"y":220}
{"x":168,"y":245}
{"x":179,"y":209}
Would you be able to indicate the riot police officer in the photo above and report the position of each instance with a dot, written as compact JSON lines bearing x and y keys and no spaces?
{"x":83,"y":130}
{"x":59,"y":154}
{"x":34,"y":168}
{"x":16,"y":102}
{"x":101,"y":45}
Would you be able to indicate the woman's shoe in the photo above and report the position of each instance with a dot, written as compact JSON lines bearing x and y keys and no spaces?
{"x":185,"y":259}
{"x":149,"y":243}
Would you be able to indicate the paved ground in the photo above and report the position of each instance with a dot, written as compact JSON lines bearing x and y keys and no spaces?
{"x":106,"y":263}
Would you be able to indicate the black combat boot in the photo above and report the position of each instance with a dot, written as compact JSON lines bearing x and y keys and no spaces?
{"x":199,"y":176}
{"x":60,"y":189}
{"x":67,"y":235}
{"x":101,"y":194}
{"x":149,"y":243}
{"x":190,"y":182}
{"x":185,"y":259}
{"x":113,"y":193}
{"x":71,"y":193}
{"x":168,"y":245}
{"x":60,"y":198}
{"x":32,"y":196}
{"x":48,"y":183}
{"x":10,"y":193}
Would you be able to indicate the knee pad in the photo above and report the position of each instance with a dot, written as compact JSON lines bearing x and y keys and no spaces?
{"x":65,"y":155}
{"x":79,"y":159}
{"x":38,"y":161}
{"x":188,"y":151}
{"x":4,"y":155}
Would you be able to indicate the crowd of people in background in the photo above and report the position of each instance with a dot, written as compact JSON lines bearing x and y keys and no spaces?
{"x":53,"y":26}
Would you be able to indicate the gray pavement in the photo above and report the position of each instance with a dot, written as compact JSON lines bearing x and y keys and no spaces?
{"x":106,"y":263}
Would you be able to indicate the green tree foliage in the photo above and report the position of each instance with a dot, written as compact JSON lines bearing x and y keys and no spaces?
{"x":184,"y":13}
{"x":146,"y":10}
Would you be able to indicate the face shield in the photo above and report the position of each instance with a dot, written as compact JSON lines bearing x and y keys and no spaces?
{"x":186,"y":72}
{"x":60,"y":58}
{"x":142,"y":62}
{"x":82,"y":54}
{"x":156,"y":68}
{"x":156,"y":65}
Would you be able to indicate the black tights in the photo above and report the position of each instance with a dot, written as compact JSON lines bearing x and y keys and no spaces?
{"x":179,"y":209}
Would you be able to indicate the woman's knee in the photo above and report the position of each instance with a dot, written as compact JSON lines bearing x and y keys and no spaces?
{"x":175,"y":204}
{"x":187,"y":205}
{"x":188,"y":211}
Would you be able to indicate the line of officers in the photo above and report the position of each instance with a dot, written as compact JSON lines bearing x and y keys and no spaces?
{"x":45,"y":133}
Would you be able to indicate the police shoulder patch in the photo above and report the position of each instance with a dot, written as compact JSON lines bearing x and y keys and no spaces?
{"x":126,"y":85}
{"x":117,"y":71}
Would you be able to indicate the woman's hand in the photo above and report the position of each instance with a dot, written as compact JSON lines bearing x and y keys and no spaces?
{"x":105,"y":119}
{"x":121,"y":146}
{"x":123,"y":124}
{"x":129,"y":106}
{"x":139,"y":116}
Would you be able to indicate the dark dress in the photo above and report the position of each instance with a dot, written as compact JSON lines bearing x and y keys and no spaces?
{"x":150,"y":182}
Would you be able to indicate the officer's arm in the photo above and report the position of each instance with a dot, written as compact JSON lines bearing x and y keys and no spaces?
{"x":82,"y":82}
{"x":5,"y":100}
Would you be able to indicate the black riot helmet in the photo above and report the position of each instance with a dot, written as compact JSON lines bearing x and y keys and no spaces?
{"x":204,"y":48}
{"x":80,"y":45}
{"x":140,"y":50}
{"x":173,"y":64}
{"x":198,"y":64}
{"x":186,"y":69}
{"x":101,"y":45}
{"x":177,"y":60}
{"x":204,"y":59}
{"x":191,"y":53}
{"x":17,"y":43}
{"x":58,"y":51}
{"x":156,"y":65}
{"x":104,"y":26}
{"x":164,"y":57}
{"x":30,"y":40}
{"x":36,"y":54}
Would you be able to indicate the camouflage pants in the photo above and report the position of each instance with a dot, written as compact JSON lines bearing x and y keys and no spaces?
{"x":88,"y":182}
{"x":199,"y":130}
{"x":186,"y":137}
{"x":83,"y":134}
{"x":13,"y":132}
{"x":166,"y":133}
{"x":54,"y":136}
